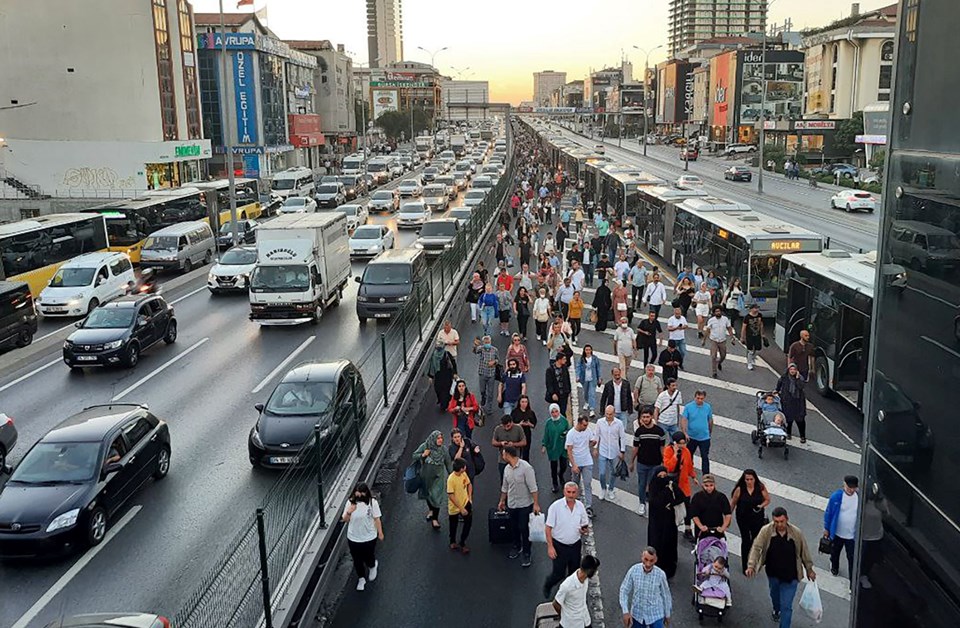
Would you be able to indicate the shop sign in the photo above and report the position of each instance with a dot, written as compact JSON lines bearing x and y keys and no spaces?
{"x":246,"y":104}
{"x":235,"y":41}
{"x":403,"y":84}
{"x":384,"y":100}
{"x":301,"y":92}
{"x":251,"y":166}
{"x":871,"y":139}
{"x":688,"y":91}
{"x":801,"y":125}
{"x":190,"y":150}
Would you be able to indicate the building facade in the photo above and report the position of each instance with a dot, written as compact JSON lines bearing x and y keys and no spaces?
{"x":909,"y":533}
{"x":691,"y":21}
{"x":464,"y":100}
{"x":570,"y":94}
{"x":95,"y":116}
{"x":335,"y":93}
{"x":384,"y":32}
{"x":400,"y":87}
{"x":544,"y":84}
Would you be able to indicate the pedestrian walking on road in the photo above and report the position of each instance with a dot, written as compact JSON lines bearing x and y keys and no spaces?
{"x":567,"y":522}
{"x":782,"y":549}
{"x":451,"y":340}
{"x":649,"y":439}
{"x":638,"y":282}
{"x":474,"y":290}
{"x":666,"y":410}
{"x":516,"y":350}
{"x":840,"y":523}
{"x":364,"y":528}
{"x":649,"y":333}
{"x":645,"y":599}
{"x":624,"y":345}
{"x":524,"y":416}
{"x":465,"y":449}
{"x":751,"y":334}
{"x":489,"y":306}
{"x":558,"y":383}
{"x":541,"y":315}
{"x":677,"y":459}
{"x":719,"y":330}
{"x":554,"y":445}
{"x":434,"y":469}
{"x":571,"y":598}
{"x":521,"y":306}
{"x":733,"y":300}
{"x":575,"y":316}
{"x":611,"y":445}
{"x":441,"y":370}
{"x":620,"y":298}
{"x":696,"y":421}
{"x":588,"y":376}
{"x":710,"y":509}
{"x":513,"y":385}
{"x":647,"y":388}
{"x":487,"y":372}
{"x":702,"y":301}
{"x":580,"y":444}
{"x":793,"y":399}
{"x":677,"y":331}
{"x":459,"y":505}
{"x":804,"y":355}
{"x":664,"y":495}
{"x":602,"y":304}
{"x":748,"y":500}
{"x":519,"y":497}
{"x":463,"y":407}
{"x":617,"y":393}
{"x":508,"y":433}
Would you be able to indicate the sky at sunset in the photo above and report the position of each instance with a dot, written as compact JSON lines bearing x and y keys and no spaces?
{"x":505,"y":41}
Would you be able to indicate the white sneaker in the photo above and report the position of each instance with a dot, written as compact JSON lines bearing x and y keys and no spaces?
{"x":612,"y":495}
{"x":544,"y":343}
{"x":586,"y":406}
{"x":642,"y":510}
{"x":602,"y":495}
{"x":373,"y":571}
{"x":361,"y":584}
{"x":749,"y":367}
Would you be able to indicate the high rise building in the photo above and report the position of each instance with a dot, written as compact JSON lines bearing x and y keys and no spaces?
{"x":909,"y":535}
{"x":544,"y":84}
{"x":692,"y":21}
{"x":384,"y":32}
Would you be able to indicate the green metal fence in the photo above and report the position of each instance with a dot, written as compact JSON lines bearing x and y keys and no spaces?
{"x":236,"y":589}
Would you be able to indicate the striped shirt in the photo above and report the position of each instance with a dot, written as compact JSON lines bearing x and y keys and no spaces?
{"x":646,"y":596}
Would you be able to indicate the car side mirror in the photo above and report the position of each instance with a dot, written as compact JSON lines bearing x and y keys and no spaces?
{"x":113,"y":467}
{"x":357,"y":278}
{"x":79,"y":324}
{"x":259,"y":407}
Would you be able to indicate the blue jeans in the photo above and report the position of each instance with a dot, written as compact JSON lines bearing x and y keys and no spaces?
{"x":782,"y":594}
{"x":682,"y":348}
{"x":508,"y":407}
{"x":589,"y":395}
{"x":639,"y":624}
{"x":488,"y":317}
{"x":644,"y":475}
{"x":605,"y":468}
{"x":588,"y":274}
{"x":670,"y":430}
{"x":622,"y":416}
{"x":704,"y":447}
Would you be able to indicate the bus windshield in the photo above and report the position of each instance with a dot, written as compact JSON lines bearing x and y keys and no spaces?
{"x":764,"y":275}
{"x":283,"y":184}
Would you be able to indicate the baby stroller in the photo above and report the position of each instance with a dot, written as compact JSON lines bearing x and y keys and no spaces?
{"x":771,"y":425}
{"x":711,"y":595}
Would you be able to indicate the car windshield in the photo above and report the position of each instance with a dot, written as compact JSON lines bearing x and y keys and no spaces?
{"x":227,"y":228}
{"x":367,"y":233}
{"x":283,"y":184}
{"x":161,"y":243}
{"x":945,"y":242}
{"x":432,"y":229}
{"x":430,"y":170}
{"x":301,"y":398}
{"x":376,"y":167}
{"x":72,"y":277}
{"x":295,"y":202}
{"x":349,"y":181}
{"x":284,"y":278}
{"x":239,"y":257}
{"x":482,"y":183}
{"x":475,"y":194}
{"x":412,"y":208}
{"x":387,"y":274}
{"x":327,"y":189}
{"x":349,"y":210}
{"x":434,"y":190}
{"x":382,"y":195}
{"x":58,"y":463}
{"x":109,"y":318}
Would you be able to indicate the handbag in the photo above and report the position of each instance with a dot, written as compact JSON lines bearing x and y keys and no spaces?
{"x":679,"y":513}
{"x":622,"y":471}
{"x":498,"y":372}
{"x":594,"y":317}
{"x":479,"y":464}
{"x":825,"y":546}
{"x":411,"y":478}
{"x":479,"y":417}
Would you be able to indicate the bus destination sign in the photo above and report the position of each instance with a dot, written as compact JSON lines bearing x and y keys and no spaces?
{"x":788,"y":246}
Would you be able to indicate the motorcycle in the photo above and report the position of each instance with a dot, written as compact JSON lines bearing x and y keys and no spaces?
{"x":145,"y":284}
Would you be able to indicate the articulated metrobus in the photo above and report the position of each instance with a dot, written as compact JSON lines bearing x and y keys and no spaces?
{"x":32,"y":250}
{"x":653,"y":202}
{"x":129,"y":222}
{"x":618,"y":189}
{"x":733,"y":240}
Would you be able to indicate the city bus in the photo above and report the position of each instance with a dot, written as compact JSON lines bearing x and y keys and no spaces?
{"x":734,"y":241}
{"x":618,"y":189}
{"x":32,"y":250}
{"x":129,"y":222}
{"x":830,"y":294}
{"x":574,"y":159}
{"x":651,"y":209}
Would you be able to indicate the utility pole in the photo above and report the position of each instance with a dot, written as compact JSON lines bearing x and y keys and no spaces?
{"x":763,"y":98}
{"x":225,"y":129}
{"x":646,"y":98}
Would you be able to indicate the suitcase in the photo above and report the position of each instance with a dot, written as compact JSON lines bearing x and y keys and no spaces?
{"x":546,"y":616}
{"x":499,"y":527}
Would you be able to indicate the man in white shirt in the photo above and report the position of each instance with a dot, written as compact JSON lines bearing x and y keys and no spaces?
{"x":677,"y":330}
{"x":571,"y":599}
{"x":719,"y":329}
{"x":451,"y":339}
{"x":666,"y":411}
{"x":577,"y":276}
{"x":567,"y":522}
{"x":611,"y":443}
{"x":624,"y":344}
{"x":655,"y":295}
{"x":580,"y":444}
{"x":622,"y":268}
{"x":525,"y":278}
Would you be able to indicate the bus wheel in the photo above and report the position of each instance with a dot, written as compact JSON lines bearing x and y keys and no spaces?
{"x":822,"y":377}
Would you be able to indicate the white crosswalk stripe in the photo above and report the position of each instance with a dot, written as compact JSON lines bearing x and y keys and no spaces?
{"x":690,"y":348}
{"x":811,"y":446}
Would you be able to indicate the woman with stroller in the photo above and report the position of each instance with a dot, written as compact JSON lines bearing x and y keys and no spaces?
{"x":794,"y":401}
{"x":663,"y":494}
{"x":748,"y":500}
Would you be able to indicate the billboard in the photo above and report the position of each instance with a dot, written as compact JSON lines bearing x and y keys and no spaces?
{"x":784,"y":82}
{"x":384,"y":100}
{"x":721,"y":94}
{"x":246,"y":98}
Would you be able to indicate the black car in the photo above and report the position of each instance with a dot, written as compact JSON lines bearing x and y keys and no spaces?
{"x":246,"y":232}
{"x":354,"y":186}
{"x":271,"y":203}
{"x":77,"y":478}
{"x":313,"y":393}
{"x":117,"y":332}
{"x":18,"y":315}
{"x":738,"y":173}
{"x":8,"y":439}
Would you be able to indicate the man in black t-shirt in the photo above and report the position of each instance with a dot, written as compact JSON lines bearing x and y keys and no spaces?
{"x":751,"y":334}
{"x":710,"y":509}
{"x":647,"y":334}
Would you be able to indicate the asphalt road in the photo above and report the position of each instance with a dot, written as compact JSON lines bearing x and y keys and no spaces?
{"x":792,"y":201}
{"x":422,"y":582}
{"x":172,"y":530}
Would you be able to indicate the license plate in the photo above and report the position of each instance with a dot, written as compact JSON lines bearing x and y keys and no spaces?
{"x":56,"y":310}
{"x":761,"y":299}
{"x":381,"y":315}
{"x":283,"y":459}
{"x":86,"y":358}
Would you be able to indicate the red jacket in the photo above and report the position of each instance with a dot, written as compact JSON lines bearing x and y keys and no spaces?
{"x":470,"y":406}
{"x":686,"y":467}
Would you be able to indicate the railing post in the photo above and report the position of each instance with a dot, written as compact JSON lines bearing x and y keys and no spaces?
{"x":432,"y":305}
{"x":419,"y":314}
{"x":319,"y":454}
{"x":383,"y":362}
{"x":356,"y":415}
{"x":264,"y":575}
{"x":403,"y":336}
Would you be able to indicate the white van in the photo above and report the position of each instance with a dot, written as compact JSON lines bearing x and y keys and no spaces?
{"x":179,"y":247}
{"x":296,"y":181}
{"x":85,"y":282}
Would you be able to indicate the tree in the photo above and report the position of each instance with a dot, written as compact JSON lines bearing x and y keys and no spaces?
{"x":844,"y":141}
{"x":878,"y":159}
{"x":396,"y":124}
{"x":775,"y":153}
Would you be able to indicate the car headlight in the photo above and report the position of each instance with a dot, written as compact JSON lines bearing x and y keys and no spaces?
{"x":66,"y":520}
{"x":116,"y":344}
{"x":417,"y":245}
{"x":402,"y":299}
{"x":361,"y":298}
{"x":255,"y":436}
{"x":375,"y":247}
{"x":211,"y":277}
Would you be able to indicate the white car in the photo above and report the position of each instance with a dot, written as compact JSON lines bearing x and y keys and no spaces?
{"x":298,"y":205}
{"x":233,"y":270}
{"x":357,"y":215}
{"x":410,"y":187}
{"x":689,"y":180}
{"x":735,"y":149}
{"x":413,"y":214}
{"x":462,"y":214}
{"x":600,"y":149}
{"x":853,"y":200}
{"x":371,"y":240}
{"x":85,"y":282}
{"x":474,"y":197}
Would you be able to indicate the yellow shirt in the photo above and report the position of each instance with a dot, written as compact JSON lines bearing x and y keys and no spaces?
{"x":576,"y":308}
{"x":457,"y":486}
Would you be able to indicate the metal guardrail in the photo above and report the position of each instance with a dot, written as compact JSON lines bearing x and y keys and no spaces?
{"x":238,"y":589}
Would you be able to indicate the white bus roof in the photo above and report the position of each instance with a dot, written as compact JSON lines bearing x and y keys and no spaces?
{"x":738,"y":218}
{"x":671,"y":194}
{"x":293,"y":173}
{"x":853,"y":270}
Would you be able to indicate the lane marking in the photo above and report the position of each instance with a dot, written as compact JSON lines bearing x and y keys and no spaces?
{"x":53,"y":333}
{"x":159,"y":370}
{"x":932,"y":296}
{"x":818,"y":448}
{"x":266,"y":380}
{"x":30,"y":374}
{"x":939,"y":344}
{"x":75,"y":569}
{"x":828,"y":583}
{"x":188,"y":295}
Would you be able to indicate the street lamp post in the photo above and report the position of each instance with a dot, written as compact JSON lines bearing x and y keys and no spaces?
{"x":646,"y":99}
{"x":763,"y":98}
{"x":433,"y":55}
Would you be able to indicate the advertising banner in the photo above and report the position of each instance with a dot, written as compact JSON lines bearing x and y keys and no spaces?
{"x":402,"y":84}
{"x":246,"y":99}
{"x":784,"y":82}
{"x":384,"y":100}
{"x":720,"y":93}
{"x":235,"y":41}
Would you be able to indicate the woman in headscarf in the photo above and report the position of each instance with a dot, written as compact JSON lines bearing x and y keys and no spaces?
{"x":474,"y":290}
{"x":434,"y":470}
{"x":553,"y":444}
{"x":602,"y":303}
{"x":619,"y":298}
{"x":663,"y":493}
{"x":440,"y":370}
{"x":794,"y":401}
{"x":463,"y":407}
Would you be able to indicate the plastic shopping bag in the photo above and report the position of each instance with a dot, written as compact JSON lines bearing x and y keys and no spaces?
{"x":811,"y":603}
{"x":538,"y":528}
